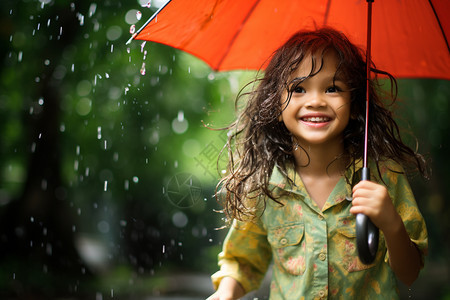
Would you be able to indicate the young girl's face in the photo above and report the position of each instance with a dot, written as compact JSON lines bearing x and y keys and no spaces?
{"x":319,"y":109}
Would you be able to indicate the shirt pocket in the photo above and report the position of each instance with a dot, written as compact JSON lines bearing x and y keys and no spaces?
{"x":289,"y":248}
{"x":345,"y":241}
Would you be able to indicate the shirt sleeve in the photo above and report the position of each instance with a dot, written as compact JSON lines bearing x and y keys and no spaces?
{"x":245,"y":256}
{"x":405,"y":203}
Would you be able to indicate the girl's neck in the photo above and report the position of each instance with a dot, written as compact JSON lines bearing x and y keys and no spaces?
{"x":320,"y":160}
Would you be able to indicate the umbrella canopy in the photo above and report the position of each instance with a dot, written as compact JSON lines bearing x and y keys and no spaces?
{"x":410,"y":39}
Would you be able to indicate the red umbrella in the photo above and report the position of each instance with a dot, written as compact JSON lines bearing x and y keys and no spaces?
{"x":410,"y":39}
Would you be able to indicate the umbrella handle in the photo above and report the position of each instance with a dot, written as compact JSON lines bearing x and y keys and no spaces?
{"x":367,"y":234}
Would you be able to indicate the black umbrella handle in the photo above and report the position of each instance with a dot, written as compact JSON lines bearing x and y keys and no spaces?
{"x":367,"y":234}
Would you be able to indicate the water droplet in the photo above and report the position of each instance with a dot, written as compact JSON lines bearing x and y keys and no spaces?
{"x":41,"y":101}
{"x":164,"y":249}
{"x":80,"y":19}
{"x":138,"y":15}
{"x":180,"y":116}
{"x":20,"y":56}
{"x":105,"y":186}
{"x":92,"y":9}
{"x":126,"y":185}
{"x":135,"y":179}
{"x":73,"y":68}
{"x":143,"y":69}
{"x":148,"y":4}
{"x":99,"y":132}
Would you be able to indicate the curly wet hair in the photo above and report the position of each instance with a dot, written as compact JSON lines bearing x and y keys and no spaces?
{"x":257,"y":140}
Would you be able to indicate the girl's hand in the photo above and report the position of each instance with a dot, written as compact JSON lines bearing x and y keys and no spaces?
{"x":372,"y":199}
{"x":229,"y":289}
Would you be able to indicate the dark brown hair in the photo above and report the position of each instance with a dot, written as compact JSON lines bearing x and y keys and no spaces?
{"x":257,"y":141}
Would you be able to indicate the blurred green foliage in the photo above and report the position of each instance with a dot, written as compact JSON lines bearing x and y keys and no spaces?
{"x":95,"y":134}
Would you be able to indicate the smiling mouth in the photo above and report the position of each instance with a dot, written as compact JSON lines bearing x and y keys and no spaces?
{"x":316,"y":119}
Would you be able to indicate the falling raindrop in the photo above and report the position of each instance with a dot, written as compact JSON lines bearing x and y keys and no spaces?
{"x":41,"y":101}
{"x":80,"y":18}
{"x":143,"y":69}
{"x":143,"y":45}
{"x":126,"y":185}
{"x":44,"y":184}
{"x":148,"y":4}
{"x":112,"y":48}
{"x":99,"y":132}
{"x":20,"y":56}
{"x":138,"y":15}
{"x":73,"y":68}
{"x":135,"y":179}
{"x":105,"y":186}
{"x":92,"y":9}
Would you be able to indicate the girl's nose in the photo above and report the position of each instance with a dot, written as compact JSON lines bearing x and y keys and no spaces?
{"x":316,"y":100}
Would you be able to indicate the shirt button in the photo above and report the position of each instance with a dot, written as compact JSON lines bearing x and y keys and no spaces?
{"x":283,"y":241}
{"x":321,"y":294}
{"x":322,"y":256}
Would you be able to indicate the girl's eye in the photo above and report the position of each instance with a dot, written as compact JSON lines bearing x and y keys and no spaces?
{"x":298,"y":89}
{"x":333,"y":89}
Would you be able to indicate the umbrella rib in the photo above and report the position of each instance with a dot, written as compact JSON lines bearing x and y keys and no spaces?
{"x":250,"y":12}
{"x":148,"y":21}
{"x":327,"y":12}
{"x":440,"y":25}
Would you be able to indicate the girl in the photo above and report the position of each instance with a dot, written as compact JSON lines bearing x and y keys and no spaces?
{"x":293,"y":189}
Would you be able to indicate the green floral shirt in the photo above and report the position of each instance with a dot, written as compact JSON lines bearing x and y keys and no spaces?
{"x":314,"y":251}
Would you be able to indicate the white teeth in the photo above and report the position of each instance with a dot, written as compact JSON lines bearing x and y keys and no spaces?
{"x":317,"y":119}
